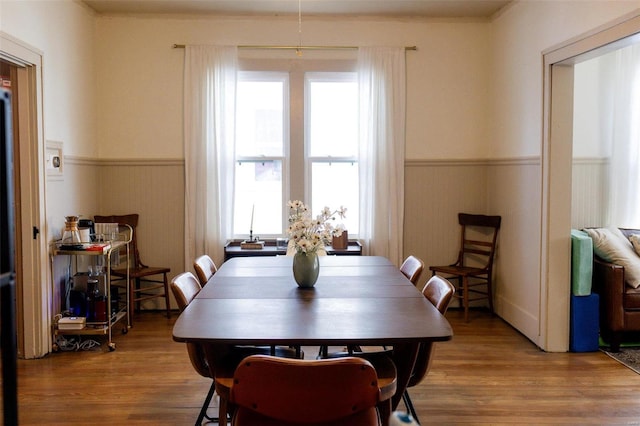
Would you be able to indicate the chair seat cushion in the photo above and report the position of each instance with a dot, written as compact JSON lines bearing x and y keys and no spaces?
{"x":631,"y":299}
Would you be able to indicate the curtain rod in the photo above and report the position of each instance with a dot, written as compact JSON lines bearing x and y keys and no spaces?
{"x":251,"y":46}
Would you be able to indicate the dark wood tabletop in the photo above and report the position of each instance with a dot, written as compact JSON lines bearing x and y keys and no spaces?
{"x":362,"y":300}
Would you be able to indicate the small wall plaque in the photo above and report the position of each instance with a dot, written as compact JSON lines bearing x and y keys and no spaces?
{"x":54,"y":160}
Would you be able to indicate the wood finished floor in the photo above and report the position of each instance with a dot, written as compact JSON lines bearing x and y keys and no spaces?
{"x":489,"y":374}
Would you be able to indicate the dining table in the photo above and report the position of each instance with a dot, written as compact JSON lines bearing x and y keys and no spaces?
{"x":357,"y":300}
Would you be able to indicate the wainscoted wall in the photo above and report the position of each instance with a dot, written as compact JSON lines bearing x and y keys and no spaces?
{"x":589,"y":197}
{"x":74,"y":193}
{"x":514,"y":192}
{"x":152,"y":188}
{"x":436,"y":191}
{"x":155,"y":190}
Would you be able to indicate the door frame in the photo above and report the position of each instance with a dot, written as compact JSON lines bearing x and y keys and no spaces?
{"x":557,"y":146}
{"x":33,"y":293}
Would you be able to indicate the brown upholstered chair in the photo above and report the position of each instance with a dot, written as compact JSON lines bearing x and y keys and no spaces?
{"x":205,"y":267}
{"x":473,"y":269}
{"x":412,"y":268}
{"x":439,"y":291}
{"x":141,"y":284}
{"x":286,"y":392}
{"x":185,"y":288}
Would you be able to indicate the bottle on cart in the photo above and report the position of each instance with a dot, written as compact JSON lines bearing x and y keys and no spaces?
{"x":101,"y":295}
{"x":93,"y":292}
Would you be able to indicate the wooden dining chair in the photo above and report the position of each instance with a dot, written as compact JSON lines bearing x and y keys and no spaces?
{"x":473,"y":269}
{"x":142,"y":285}
{"x":412,"y":268}
{"x":205,"y":267}
{"x":185,"y":288}
{"x":278,"y":391}
{"x":439,"y":291}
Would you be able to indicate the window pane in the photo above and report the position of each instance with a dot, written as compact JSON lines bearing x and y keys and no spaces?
{"x":260,"y":118}
{"x":333,"y":118}
{"x":258,"y":188}
{"x":335,"y":185}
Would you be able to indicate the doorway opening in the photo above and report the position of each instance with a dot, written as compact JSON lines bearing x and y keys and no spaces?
{"x":557,"y":159}
{"x":23,"y":64}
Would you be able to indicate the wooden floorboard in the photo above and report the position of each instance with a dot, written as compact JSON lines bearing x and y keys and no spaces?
{"x":489,"y":374}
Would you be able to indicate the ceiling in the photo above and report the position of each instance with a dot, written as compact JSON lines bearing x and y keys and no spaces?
{"x":393,"y":8}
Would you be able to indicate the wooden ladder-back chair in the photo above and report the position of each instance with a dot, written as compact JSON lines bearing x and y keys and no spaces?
{"x":141,"y":285}
{"x":439,"y":291}
{"x":474,"y":267}
{"x":205,"y":267}
{"x":287,"y":392}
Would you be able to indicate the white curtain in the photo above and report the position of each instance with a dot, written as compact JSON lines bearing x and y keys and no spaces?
{"x":209,"y":139}
{"x":624,"y":176}
{"x":382,"y":83}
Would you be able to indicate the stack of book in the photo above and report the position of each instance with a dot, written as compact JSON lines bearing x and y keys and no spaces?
{"x":72,"y":323}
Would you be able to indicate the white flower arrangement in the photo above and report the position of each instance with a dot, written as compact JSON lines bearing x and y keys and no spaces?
{"x":309,"y":234}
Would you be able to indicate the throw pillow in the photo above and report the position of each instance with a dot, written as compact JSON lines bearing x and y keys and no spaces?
{"x":635,"y":241}
{"x":612,"y":246}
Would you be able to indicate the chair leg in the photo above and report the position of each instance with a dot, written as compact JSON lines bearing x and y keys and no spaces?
{"x":410,"y":408}
{"x":222,"y":412}
{"x":384,"y":411}
{"x":323,"y":352}
{"x":465,"y":298}
{"x":490,"y":294}
{"x":131,"y":302}
{"x":166,"y":296}
{"x":207,"y":401}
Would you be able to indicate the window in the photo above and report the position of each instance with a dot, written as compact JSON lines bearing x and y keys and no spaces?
{"x":331,"y":135}
{"x":284,"y":153}
{"x":261,"y":118}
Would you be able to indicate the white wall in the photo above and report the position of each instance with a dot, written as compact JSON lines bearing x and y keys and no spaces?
{"x":113,"y":91}
{"x":140,"y":77}
{"x":64,"y":32}
{"x":592,"y":108}
{"x":520,"y":36}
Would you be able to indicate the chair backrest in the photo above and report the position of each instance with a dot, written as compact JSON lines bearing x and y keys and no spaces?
{"x":305,"y":391}
{"x":132,"y":221}
{"x":185,"y":287}
{"x":439,"y":291}
{"x":479,"y":235}
{"x":412,"y":268}
{"x":205,"y":267}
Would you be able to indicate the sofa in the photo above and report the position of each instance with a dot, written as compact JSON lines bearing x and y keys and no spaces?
{"x":616,"y":278}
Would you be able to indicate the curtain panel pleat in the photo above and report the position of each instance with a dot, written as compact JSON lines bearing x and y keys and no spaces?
{"x":624,"y":168}
{"x":210,"y":79}
{"x":382,"y":85}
